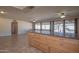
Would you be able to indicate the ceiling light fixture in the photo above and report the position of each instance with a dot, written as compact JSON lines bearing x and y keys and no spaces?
{"x":2,"y":12}
{"x":62,"y":15}
{"x":34,"y":21}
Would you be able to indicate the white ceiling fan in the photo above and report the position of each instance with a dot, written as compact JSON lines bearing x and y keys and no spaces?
{"x":61,"y":15}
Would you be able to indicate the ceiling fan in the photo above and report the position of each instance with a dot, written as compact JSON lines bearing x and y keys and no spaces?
{"x":61,"y":15}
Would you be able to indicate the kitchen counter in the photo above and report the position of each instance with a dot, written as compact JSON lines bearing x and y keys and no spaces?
{"x":49,"y":33}
{"x":48,"y":43}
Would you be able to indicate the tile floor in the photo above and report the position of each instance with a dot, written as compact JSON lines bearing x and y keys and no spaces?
{"x":16,"y":44}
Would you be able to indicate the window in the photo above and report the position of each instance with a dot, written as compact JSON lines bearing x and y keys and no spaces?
{"x":46,"y":26}
{"x":70,"y":28}
{"x":58,"y":28}
{"x":37,"y":26}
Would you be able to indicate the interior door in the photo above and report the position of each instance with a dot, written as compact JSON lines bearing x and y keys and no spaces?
{"x":14,"y":27}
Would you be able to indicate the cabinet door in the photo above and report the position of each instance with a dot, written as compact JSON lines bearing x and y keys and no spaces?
{"x":34,"y":43}
{"x":63,"y":45}
{"x":69,"y":45}
{"x":44,"y":47}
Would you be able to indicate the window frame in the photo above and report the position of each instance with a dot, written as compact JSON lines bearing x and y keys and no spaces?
{"x":75,"y":28}
{"x":45,"y":29}
{"x":52,"y":27}
{"x":62,"y":22}
{"x":35,"y":26}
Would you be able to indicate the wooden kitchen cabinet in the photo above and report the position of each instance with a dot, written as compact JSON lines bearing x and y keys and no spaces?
{"x":53,"y":44}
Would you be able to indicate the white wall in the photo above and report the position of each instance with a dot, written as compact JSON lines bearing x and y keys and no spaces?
{"x":24,"y":27}
{"x":5,"y":26}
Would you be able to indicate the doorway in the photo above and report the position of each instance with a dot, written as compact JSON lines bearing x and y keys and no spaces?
{"x":14,"y":27}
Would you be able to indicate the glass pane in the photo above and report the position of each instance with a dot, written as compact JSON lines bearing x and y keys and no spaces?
{"x":69,"y":28}
{"x":58,"y":28}
{"x":46,"y":26}
{"x":38,"y":31}
{"x":37,"y":26}
{"x":45,"y":32}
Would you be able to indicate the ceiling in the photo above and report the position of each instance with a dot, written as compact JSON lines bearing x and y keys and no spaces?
{"x":30,"y":13}
{"x":20,"y":7}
